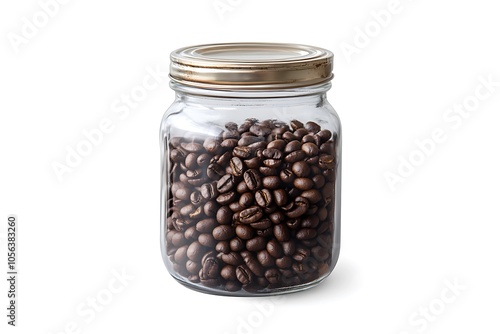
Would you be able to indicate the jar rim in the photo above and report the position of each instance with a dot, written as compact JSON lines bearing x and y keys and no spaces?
{"x":251,"y":66}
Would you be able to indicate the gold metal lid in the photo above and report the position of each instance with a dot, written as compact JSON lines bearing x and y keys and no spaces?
{"x":251,"y":66}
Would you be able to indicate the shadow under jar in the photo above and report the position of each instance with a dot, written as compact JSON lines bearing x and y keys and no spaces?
{"x":250,"y":169}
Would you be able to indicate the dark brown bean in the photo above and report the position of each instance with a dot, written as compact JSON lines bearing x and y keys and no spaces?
{"x":256,"y":244}
{"x":223,"y":232}
{"x":250,"y":215}
{"x":252,"y":179}
{"x":245,"y":232}
{"x":263,"y":197}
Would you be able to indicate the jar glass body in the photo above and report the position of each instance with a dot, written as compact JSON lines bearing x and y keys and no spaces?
{"x":250,"y":189}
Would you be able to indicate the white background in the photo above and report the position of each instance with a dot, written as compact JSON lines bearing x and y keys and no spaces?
{"x":399,"y":246}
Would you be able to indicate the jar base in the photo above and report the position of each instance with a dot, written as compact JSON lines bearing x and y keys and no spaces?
{"x":243,"y":293}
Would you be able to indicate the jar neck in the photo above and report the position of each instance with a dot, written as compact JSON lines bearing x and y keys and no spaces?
{"x":294,"y":96}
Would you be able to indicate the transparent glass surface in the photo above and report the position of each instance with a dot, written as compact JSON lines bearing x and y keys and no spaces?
{"x":250,"y":190}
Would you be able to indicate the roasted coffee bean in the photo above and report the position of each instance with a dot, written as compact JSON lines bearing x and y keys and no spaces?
{"x":236,"y":244}
{"x":326,"y":161}
{"x":310,"y":149}
{"x":299,"y":208}
{"x":272,"y":153}
{"x":248,"y":140}
{"x":312,"y":127}
{"x":223,"y":232}
{"x":192,"y":147}
{"x":254,"y":265}
{"x":244,"y":275}
{"x":284,"y":262}
{"x":190,"y":161}
{"x":288,"y":247}
{"x":245,"y":232}
{"x":256,"y":244}
{"x":232,"y":258}
{"x":265,"y":258}
{"x":273,"y":275}
{"x":191,"y":233}
{"x":271,"y":182}
{"x":301,"y":254}
{"x":299,"y":133}
{"x":280,"y":197}
{"x":206,"y":225}
{"x":226,"y":198}
{"x":328,"y":147}
{"x":209,"y":190}
{"x":226,"y":183}
{"x":320,"y":253}
{"x":277,"y":217}
{"x":295,"y":156}
{"x":210,"y":268}
{"x":303,"y":183}
{"x":230,"y":134}
{"x":223,"y":247}
{"x":252,"y":163}
{"x":292,"y":146}
{"x":193,"y":267}
{"x":278,"y":144}
{"x":281,"y":232}
{"x":310,"y":222}
{"x":295,"y":124}
{"x":329,"y":174}
{"x":236,"y":166}
{"x":312,"y":195}
{"x":215,"y":171}
{"x":252,"y":179}
{"x":182,"y":193}
{"x":268,"y":171}
{"x":203,"y":160}
{"x":262,"y":224}
{"x":287,"y":176}
{"x":177,"y":155}
{"x":228,"y":273}
{"x":325,"y":135}
{"x":265,"y":233}
{"x":229,"y":143}
{"x":242,"y":187}
{"x":195,"y":251}
{"x":293,"y":223}
{"x":246,"y":200}
{"x":319,"y":181}
{"x":196,"y":197}
{"x":242,"y":152}
{"x":207,"y":240}
{"x":301,"y":169}
{"x":322,"y":214}
{"x":274,"y":248}
{"x":181,"y":254}
{"x":263,"y":197}
{"x":306,"y":233}
{"x":309,"y":139}
{"x":224,"y":215}
{"x":250,"y":215}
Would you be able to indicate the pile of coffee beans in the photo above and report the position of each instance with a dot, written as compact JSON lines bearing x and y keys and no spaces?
{"x":253,"y":208}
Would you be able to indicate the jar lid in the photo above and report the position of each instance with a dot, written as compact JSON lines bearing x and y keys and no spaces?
{"x":251,"y":66}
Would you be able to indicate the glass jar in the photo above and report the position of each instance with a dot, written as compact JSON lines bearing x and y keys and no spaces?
{"x":250,"y":169}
